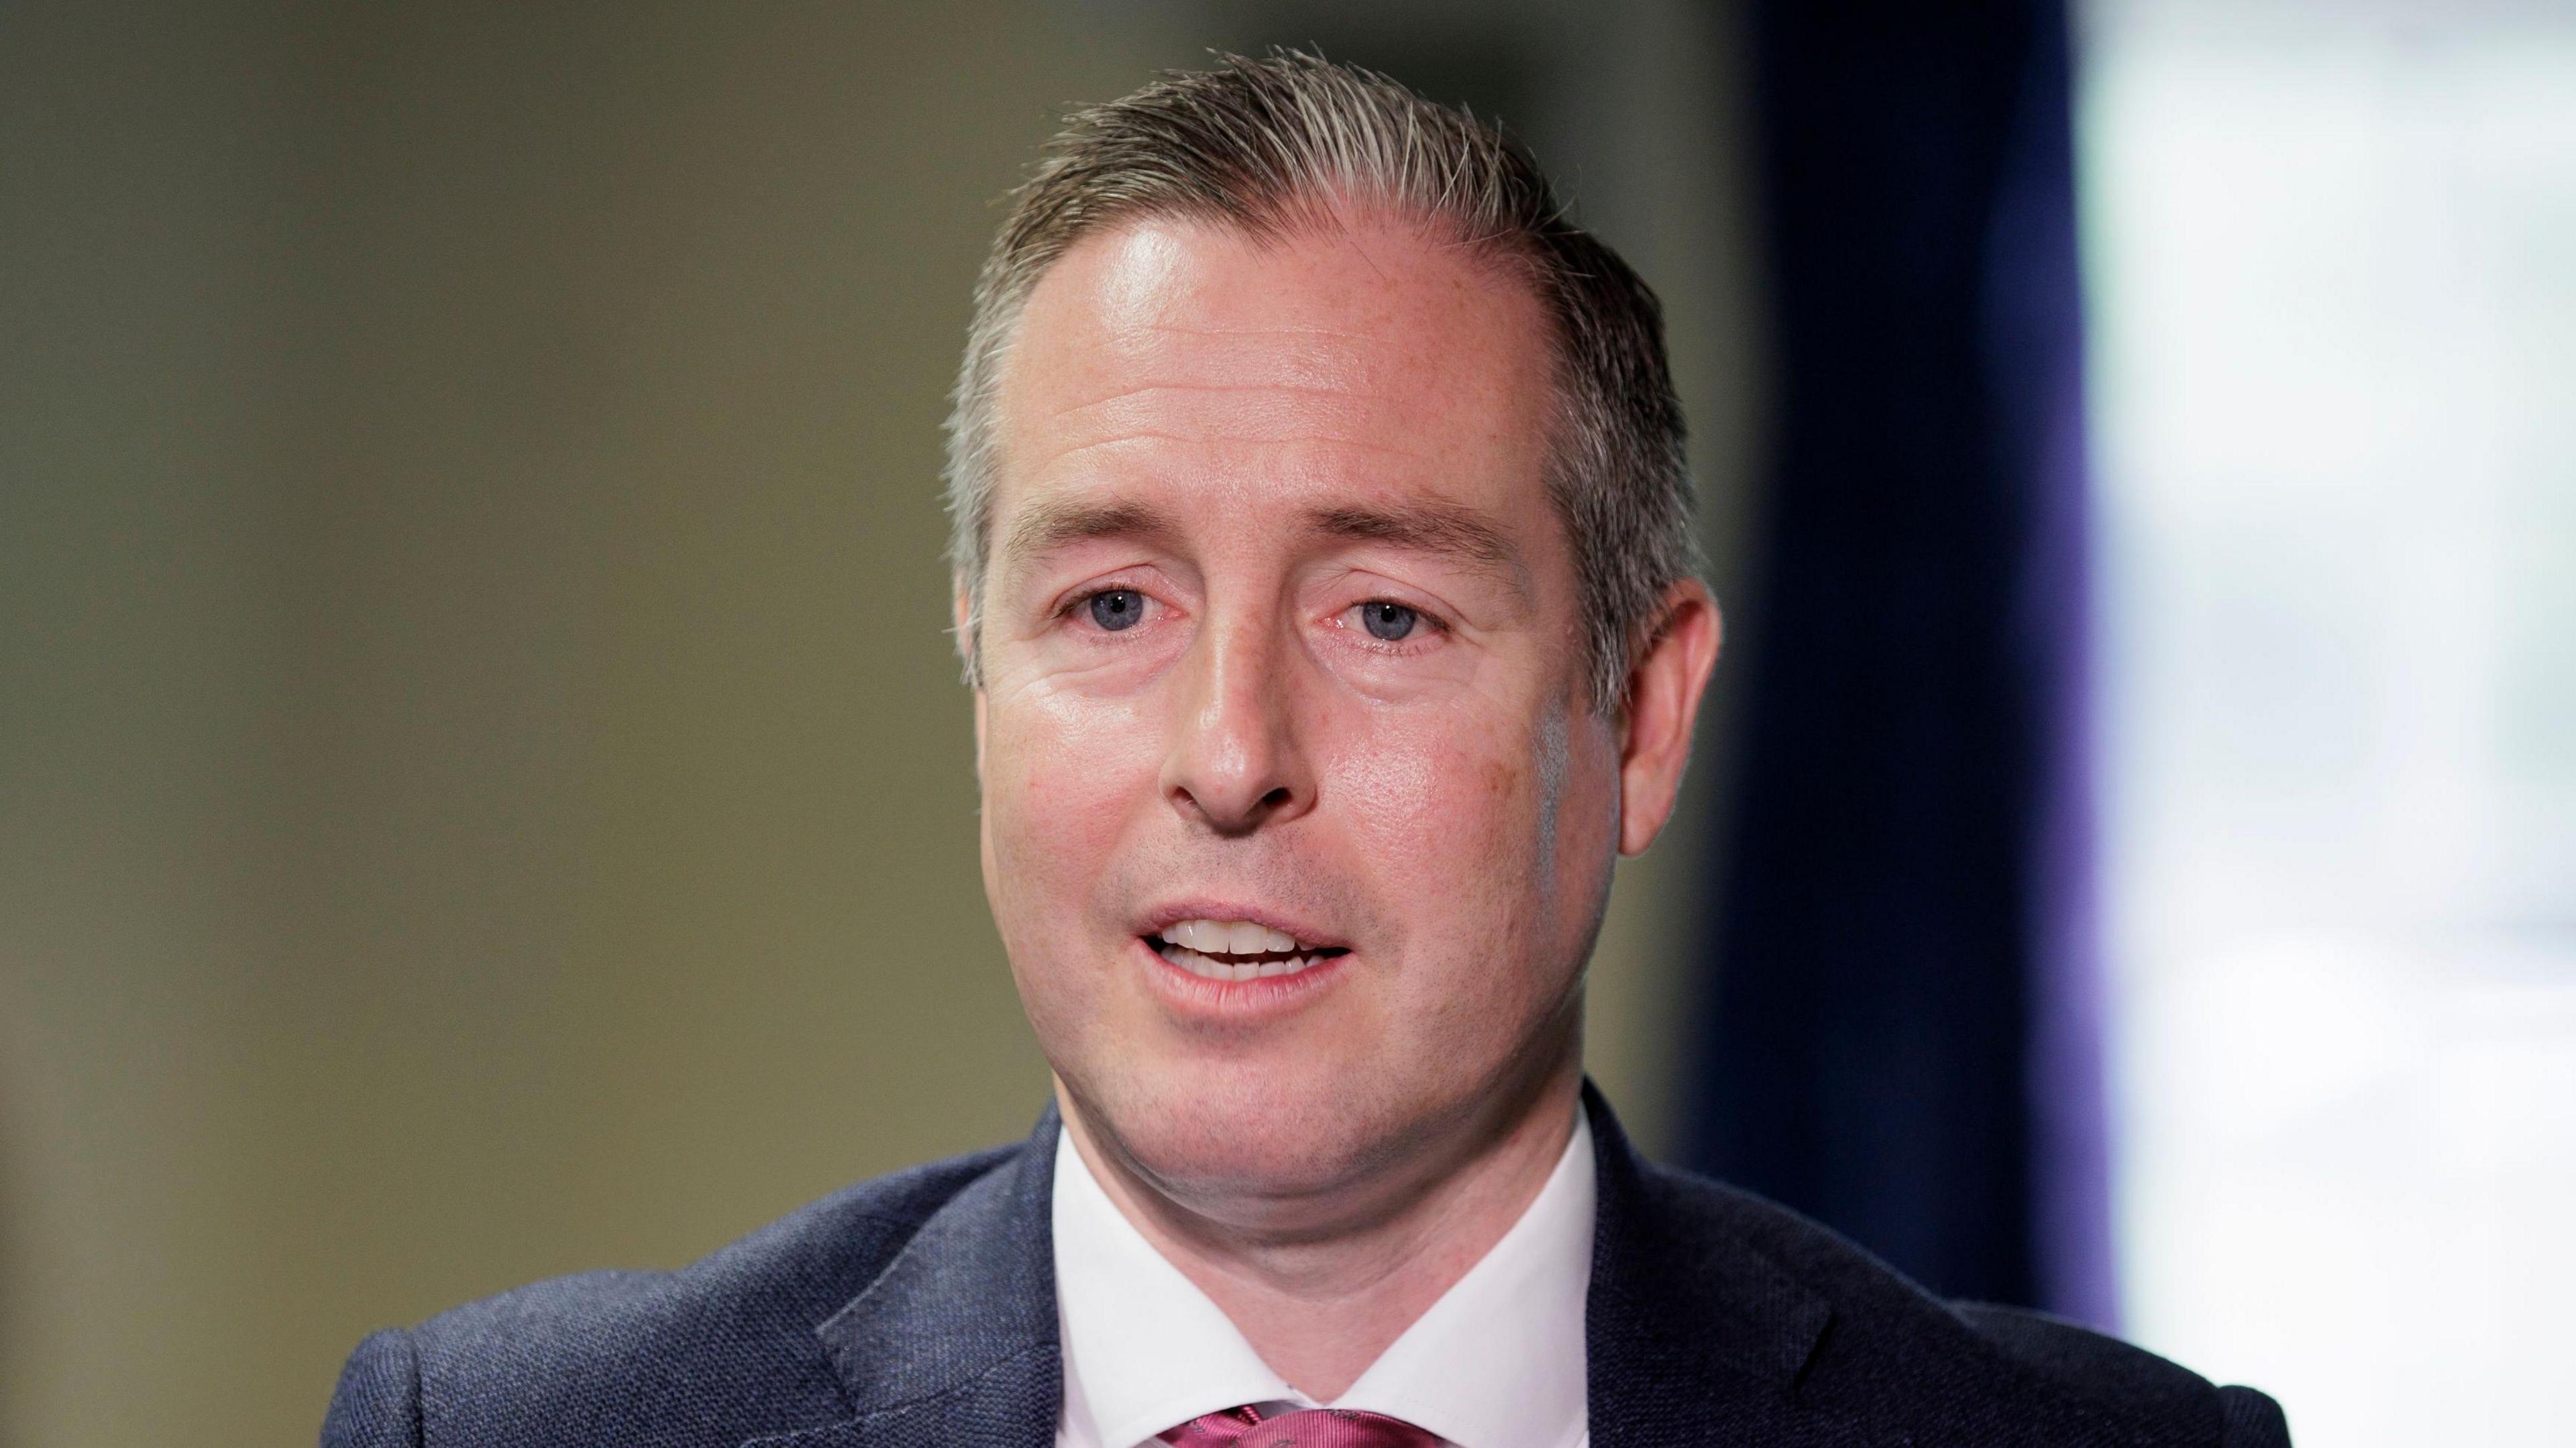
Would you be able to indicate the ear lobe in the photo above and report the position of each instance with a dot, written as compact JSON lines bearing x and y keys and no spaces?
{"x":1664,"y":693}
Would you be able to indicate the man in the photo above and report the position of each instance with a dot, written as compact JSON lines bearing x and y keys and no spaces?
{"x":1324,"y":577}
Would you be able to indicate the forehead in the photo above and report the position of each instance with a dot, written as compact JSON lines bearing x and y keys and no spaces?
{"x":1366,"y":355}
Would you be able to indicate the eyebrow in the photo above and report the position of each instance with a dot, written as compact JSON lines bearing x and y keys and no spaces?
{"x":1432,"y":528}
{"x":1046,"y":527}
{"x":1436,"y":529}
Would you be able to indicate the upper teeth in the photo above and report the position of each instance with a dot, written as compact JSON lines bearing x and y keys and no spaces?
{"x":1230,"y":937}
{"x":1209,"y":948}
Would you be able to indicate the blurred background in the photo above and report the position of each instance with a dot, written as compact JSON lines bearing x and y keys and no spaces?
{"x":484,"y":791}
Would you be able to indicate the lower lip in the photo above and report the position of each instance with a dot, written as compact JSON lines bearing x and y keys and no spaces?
{"x":1237,"y":999}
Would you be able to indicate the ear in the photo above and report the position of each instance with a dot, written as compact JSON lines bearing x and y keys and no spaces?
{"x":960,"y":612}
{"x":1664,"y":691}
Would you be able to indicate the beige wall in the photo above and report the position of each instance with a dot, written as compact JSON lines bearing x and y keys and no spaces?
{"x":483,"y":791}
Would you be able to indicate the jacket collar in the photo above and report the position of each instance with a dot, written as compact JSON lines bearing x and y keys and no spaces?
{"x":1688,"y":1329}
{"x":956,"y":1341}
{"x":1693,"y":1335}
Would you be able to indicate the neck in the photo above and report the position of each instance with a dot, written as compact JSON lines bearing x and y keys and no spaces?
{"x":1319,"y":1304}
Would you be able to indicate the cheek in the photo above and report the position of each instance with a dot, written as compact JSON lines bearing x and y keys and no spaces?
{"x":1493,"y":839}
{"x":1451,"y":815}
{"x":1503,"y":785}
{"x":1063,"y":775}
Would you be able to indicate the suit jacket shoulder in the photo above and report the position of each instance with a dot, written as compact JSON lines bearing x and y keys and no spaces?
{"x":717,"y":1352}
{"x":2086,"y":1362}
{"x":1879,"y":1360}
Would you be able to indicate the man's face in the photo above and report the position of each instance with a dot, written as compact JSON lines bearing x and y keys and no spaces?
{"x":1281,"y":636}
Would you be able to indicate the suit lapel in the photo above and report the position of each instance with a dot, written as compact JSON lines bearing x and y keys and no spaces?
{"x":955,"y":1344}
{"x":1692,"y":1336}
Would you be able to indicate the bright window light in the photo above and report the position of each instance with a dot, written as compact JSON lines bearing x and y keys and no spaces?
{"x":2331,"y":249}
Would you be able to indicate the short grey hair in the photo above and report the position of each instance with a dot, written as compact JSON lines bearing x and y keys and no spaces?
{"x":1270,"y":147}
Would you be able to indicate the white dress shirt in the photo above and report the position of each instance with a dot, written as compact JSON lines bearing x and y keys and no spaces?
{"x":1497,"y":1362}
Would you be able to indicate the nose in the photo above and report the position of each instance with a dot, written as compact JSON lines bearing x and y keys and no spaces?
{"x":1236,"y":762}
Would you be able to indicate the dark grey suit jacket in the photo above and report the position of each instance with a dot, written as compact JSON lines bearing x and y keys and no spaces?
{"x":918,"y":1311}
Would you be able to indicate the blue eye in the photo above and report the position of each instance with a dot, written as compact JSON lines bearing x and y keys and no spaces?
{"x":1388,"y":621}
{"x":1117,"y":608}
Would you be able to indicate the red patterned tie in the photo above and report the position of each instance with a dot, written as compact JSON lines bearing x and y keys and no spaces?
{"x":1305,"y":1428}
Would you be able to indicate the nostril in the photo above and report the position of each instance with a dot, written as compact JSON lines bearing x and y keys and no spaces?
{"x":1235,"y":794}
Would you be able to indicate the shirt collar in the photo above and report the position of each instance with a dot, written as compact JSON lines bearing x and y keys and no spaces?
{"x":1497,"y":1362}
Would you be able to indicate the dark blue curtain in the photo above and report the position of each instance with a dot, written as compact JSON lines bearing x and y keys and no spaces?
{"x":1897,"y":1034}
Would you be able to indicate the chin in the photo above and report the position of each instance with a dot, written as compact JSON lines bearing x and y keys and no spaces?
{"x":1247,"y":1136}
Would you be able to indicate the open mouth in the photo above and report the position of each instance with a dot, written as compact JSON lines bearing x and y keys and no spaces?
{"x":1236,"y":949}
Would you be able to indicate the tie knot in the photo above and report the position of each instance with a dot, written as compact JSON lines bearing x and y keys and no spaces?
{"x":1305,"y":1428}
